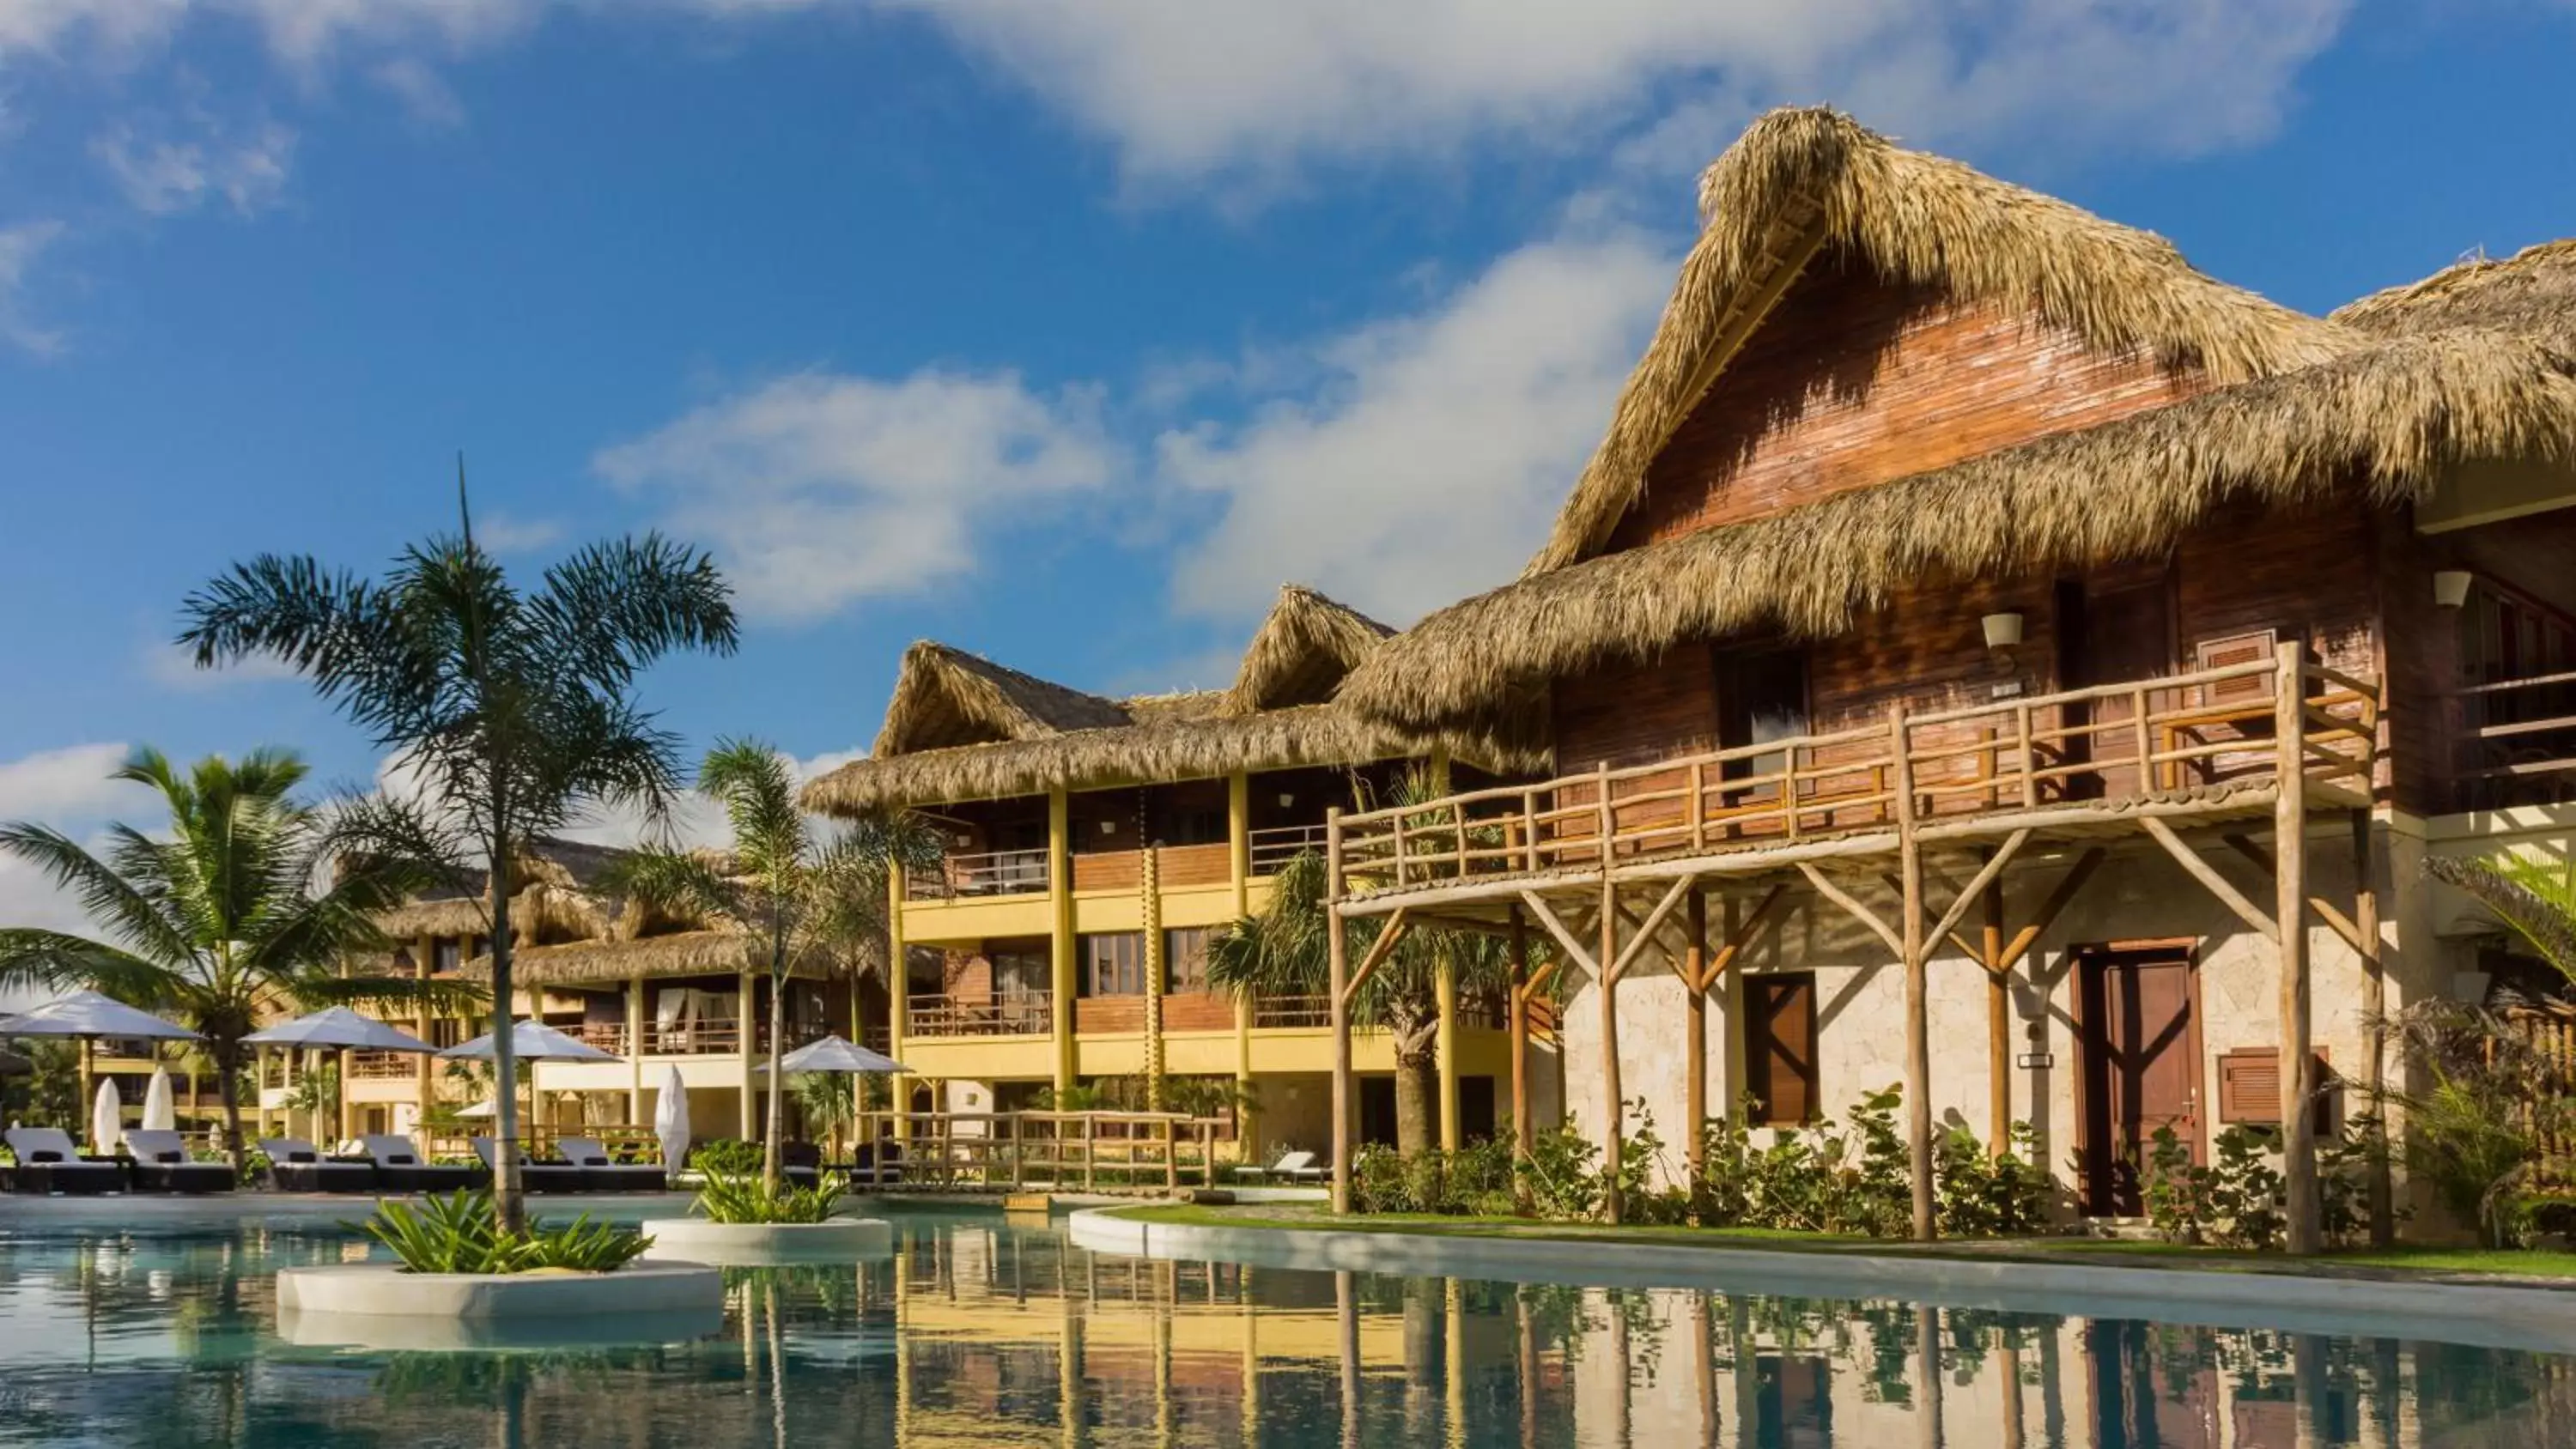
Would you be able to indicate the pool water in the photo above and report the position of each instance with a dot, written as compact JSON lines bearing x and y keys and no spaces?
{"x":982,"y":1331}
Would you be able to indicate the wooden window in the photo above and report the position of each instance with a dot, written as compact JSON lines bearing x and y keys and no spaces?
{"x":1185,"y":959}
{"x":2249,"y":1088}
{"x":1113,"y":964}
{"x":1780,"y":1046}
{"x":2229,"y":652}
{"x":1021,"y":971}
{"x":1761,"y":697}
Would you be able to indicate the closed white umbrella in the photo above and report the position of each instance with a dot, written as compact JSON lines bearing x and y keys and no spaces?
{"x":160,"y":1113}
{"x":106,"y":1119}
{"x":671,"y":1122}
{"x":338,"y":1026}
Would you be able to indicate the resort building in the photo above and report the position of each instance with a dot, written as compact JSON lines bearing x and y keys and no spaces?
{"x":1988,"y":655}
{"x":1095,"y":844}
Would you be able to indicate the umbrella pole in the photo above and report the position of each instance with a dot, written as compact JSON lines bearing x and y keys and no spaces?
{"x":88,"y":1061}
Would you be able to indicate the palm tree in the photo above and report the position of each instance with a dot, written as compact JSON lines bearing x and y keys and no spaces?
{"x":510,"y":706}
{"x":1285,"y":951}
{"x":219,"y":920}
{"x":802,"y":895}
{"x":2534,"y":899}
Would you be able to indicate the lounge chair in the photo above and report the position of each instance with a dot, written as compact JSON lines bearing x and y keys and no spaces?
{"x":800,"y":1163}
{"x":600,"y":1173}
{"x":533,"y":1176}
{"x":877,"y":1164}
{"x":48,"y":1162}
{"x":1291,"y":1167}
{"x":399,"y":1168}
{"x":296,"y":1166}
{"x":161,"y":1165}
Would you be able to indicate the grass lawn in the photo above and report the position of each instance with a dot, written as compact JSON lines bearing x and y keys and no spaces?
{"x":2400,"y":1262}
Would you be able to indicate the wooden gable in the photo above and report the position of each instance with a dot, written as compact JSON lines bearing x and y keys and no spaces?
{"x":1852,"y":381}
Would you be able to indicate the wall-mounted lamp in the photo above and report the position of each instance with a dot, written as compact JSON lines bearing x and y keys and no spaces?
{"x":2003,"y":631}
{"x":1109,"y":827}
{"x":2451,"y":587}
{"x":1286,"y":800}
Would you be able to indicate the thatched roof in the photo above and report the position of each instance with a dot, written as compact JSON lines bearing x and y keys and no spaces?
{"x":555,"y":879}
{"x":1301,"y":652}
{"x":2530,"y":294}
{"x":945,"y":696}
{"x":721,"y":952}
{"x":1803,"y":183}
{"x":2383,"y":424}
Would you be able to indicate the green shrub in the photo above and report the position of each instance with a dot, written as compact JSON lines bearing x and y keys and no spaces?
{"x":2179,"y":1191}
{"x":726,"y":1154}
{"x":1977,"y":1196}
{"x":456,"y":1233}
{"x":1559,"y":1175}
{"x":742,"y":1197}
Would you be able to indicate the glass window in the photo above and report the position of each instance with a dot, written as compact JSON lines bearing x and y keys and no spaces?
{"x":1761,"y":697}
{"x":1113,"y":964}
{"x":446,"y":957}
{"x":1185,"y":958}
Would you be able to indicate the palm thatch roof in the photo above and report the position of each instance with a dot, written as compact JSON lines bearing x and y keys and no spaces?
{"x":1301,"y":652}
{"x":1800,"y":184}
{"x":961,"y":728}
{"x":553,"y":878}
{"x":2381,"y":423}
{"x":721,"y":951}
{"x":945,"y":696}
{"x":2530,"y":294}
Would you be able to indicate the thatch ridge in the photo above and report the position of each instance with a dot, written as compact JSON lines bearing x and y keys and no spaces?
{"x":945,"y":696}
{"x":1304,"y":647}
{"x":712,"y":952}
{"x":2382,"y":424}
{"x":1800,"y":182}
{"x":2531,"y":294}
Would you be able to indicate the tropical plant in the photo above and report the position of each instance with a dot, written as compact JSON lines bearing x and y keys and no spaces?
{"x":218,"y":920}
{"x":2535,"y":899}
{"x":48,"y":1094}
{"x":744,"y":1197}
{"x":460,"y":1233}
{"x":726,"y":1155}
{"x":510,"y":708}
{"x":1978,"y":1194}
{"x":1285,"y":951}
{"x":316,"y":1093}
{"x":800,"y":894}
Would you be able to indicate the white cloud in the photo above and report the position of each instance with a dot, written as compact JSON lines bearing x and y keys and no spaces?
{"x":508,"y":533}
{"x":20,"y":247}
{"x":423,"y":92}
{"x":174,"y":666}
{"x":165,"y":174}
{"x":1429,"y":463}
{"x":46,"y":26}
{"x":69,"y":790}
{"x":820,"y":488}
{"x":1189,"y":89}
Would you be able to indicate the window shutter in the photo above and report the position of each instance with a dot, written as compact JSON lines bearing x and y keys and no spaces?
{"x":1780,"y":1030}
{"x":2249,"y":1087}
{"x":2229,"y":652}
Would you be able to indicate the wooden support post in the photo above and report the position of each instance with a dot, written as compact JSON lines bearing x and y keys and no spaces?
{"x":1918,"y":1028}
{"x":1337,"y":939}
{"x":1613,"y":1100}
{"x":1524,"y":1134}
{"x":1444,"y":1049}
{"x":2298,"y":1058}
{"x":1998,"y":1021}
{"x":1695,"y":1036}
{"x":1063,"y":963}
{"x":1238,"y":815}
{"x":2374,"y":1007}
{"x":635,"y":1047}
{"x":898,"y":1005}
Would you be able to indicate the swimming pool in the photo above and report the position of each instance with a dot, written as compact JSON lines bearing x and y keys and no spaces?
{"x":126,"y":1329}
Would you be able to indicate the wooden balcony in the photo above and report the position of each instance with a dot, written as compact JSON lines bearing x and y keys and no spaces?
{"x":700,"y":1038}
{"x":969,"y":877}
{"x":2087,"y":761}
{"x":384,"y":1066}
{"x":1272,"y":849}
{"x":936,"y":1014}
{"x":2517,"y":742}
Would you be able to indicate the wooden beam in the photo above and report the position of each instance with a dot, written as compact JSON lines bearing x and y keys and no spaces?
{"x":1524,"y":1132}
{"x":2344,"y":927}
{"x":2290,"y":882}
{"x":1397,"y":928}
{"x":1825,"y":887}
{"x":1565,"y":939}
{"x":2049,"y":910}
{"x":1918,"y":987}
{"x":1337,"y":951}
{"x":1645,"y":933}
{"x":1977,"y":884}
{"x":1694,"y":974}
{"x":1741,"y":937}
{"x":2203,"y":872}
{"x":1614,"y":1101}
{"x":1998,"y":1020}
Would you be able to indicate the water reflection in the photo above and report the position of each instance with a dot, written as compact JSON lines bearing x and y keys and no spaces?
{"x":978,"y":1332}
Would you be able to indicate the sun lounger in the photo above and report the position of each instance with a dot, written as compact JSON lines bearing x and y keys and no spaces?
{"x":1291,"y":1167}
{"x":48,"y":1162}
{"x":533,"y":1176}
{"x":399,"y":1168}
{"x":877,"y":1164}
{"x":600,"y":1174}
{"x":294,"y":1165}
{"x":161,"y":1165}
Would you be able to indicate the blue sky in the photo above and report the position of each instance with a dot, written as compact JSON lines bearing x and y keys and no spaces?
{"x":1061,"y":332}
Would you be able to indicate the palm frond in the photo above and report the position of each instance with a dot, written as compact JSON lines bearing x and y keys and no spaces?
{"x":118,"y":905}
{"x":57,"y":961}
{"x":2535,"y":900}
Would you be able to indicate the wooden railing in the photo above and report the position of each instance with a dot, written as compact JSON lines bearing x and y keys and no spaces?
{"x":2518,"y":742}
{"x":699,"y":1038}
{"x":1292,"y":1012}
{"x":1273,"y":848}
{"x":1086,"y":1150}
{"x":383,"y":1066}
{"x":1020,"y":1014}
{"x":2188,"y":732}
{"x":992,"y":873}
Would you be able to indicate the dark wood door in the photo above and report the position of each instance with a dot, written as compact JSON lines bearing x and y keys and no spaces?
{"x":2146,"y":1397}
{"x":2111,"y":636}
{"x":2141,"y":1048}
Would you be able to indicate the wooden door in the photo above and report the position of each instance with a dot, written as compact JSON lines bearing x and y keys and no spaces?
{"x":2141,"y":1070}
{"x":2107,"y":636}
{"x":2145,"y":1398}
